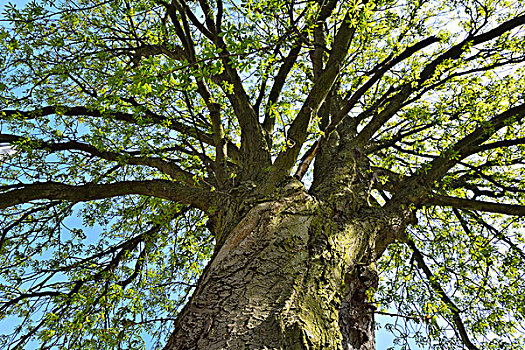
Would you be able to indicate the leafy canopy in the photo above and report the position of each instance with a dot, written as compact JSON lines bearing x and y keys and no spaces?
{"x":122,"y":121}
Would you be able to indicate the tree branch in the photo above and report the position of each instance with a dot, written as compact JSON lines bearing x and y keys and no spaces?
{"x":398,"y":137}
{"x":498,"y":234}
{"x":5,"y":230}
{"x":319,"y":37}
{"x":298,"y":130}
{"x":379,"y":73}
{"x":198,"y":198}
{"x":306,"y":160}
{"x":502,"y":143}
{"x":471,"y":204}
{"x":187,"y":130}
{"x":137,"y":53}
{"x":454,"y":310}
{"x":453,"y":53}
{"x":280,"y":79}
{"x":470,"y":144}
{"x":120,"y":116}
{"x":253,"y":143}
{"x":168,"y":168}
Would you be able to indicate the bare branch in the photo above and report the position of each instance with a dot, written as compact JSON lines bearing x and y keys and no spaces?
{"x":306,"y":160}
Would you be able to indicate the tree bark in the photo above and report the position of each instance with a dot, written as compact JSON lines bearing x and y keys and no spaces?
{"x":293,"y":273}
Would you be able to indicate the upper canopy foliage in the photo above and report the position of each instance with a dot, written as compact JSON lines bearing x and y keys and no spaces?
{"x":147,"y":111}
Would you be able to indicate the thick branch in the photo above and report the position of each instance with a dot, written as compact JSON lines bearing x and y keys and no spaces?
{"x":195,"y":197}
{"x":417,"y":188}
{"x":456,"y":51}
{"x":319,"y":38}
{"x":470,"y":144}
{"x":253,"y":143}
{"x":453,"y":53}
{"x":379,"y":73}
{"x":306,"y":160}
{"x":386,"y":180}
{"x":176,"y":53}
{"x":471,"y":204}
{"x":502,"y":143}
{"x":275,"y":92}
{"x":298,"y":130}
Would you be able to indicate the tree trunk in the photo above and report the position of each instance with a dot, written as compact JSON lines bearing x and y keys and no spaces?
{"x":292,"y":274}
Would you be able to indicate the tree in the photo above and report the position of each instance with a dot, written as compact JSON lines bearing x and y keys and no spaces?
{"x":332,"y":160}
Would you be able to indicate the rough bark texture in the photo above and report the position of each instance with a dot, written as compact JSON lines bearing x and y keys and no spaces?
{"x":292,"y":274}
{"x":356,"y":315}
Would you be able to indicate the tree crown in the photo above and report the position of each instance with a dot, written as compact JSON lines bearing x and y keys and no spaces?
{"x":150,"y":114}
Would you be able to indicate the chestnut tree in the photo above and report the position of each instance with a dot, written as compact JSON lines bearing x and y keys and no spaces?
{"x":273,"y":174}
